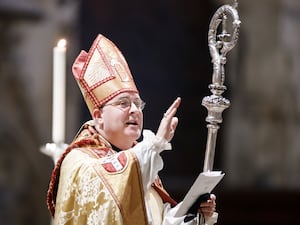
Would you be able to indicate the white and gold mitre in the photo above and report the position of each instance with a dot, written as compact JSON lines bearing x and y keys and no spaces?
{"x":102,"y":73}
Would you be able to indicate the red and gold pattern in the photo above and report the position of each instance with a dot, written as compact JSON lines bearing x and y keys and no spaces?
{"x":88,"y":193}
{"x":102,"y":73}
{"x":108,"y":188}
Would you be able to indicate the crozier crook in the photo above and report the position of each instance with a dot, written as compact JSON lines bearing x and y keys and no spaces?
{"x":219,"y":46}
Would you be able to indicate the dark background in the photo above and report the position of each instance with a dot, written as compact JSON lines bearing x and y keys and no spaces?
{"x":165,"y":44}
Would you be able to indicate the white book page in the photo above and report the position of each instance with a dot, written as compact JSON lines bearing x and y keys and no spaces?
{"x":205,"y":183}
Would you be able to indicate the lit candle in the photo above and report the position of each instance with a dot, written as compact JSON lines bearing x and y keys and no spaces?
{"x":59,"y":92}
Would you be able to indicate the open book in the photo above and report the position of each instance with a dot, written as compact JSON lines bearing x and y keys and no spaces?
{"x":205,"y":183}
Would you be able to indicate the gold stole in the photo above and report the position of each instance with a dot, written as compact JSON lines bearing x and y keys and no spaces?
{"x":125,"y":188}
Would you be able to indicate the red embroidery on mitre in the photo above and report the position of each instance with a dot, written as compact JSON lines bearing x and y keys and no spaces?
{"x":102,"y":73}
{"x":115,"y":163}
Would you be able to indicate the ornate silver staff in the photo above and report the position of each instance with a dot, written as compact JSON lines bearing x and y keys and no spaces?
{"x":219,"y":46}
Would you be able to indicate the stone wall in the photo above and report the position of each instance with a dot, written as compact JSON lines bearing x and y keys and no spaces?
{"x":28,"y":32}
{"x":262,"y":144}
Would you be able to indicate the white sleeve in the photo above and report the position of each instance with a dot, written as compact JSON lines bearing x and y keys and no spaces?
{"x":169,"y":218}
{"x":148,"y":154}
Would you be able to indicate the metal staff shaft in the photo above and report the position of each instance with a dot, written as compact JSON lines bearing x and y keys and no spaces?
{"x":219,"y":46}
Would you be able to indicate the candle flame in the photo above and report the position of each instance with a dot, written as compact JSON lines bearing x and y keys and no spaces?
{"x":62,"y":43}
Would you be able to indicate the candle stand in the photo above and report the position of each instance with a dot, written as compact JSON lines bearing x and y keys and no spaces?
{"x":54,"y":150}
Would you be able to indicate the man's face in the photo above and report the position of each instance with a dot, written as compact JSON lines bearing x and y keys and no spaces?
{"x":122,"y":119}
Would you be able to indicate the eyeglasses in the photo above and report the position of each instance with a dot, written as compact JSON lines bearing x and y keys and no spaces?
{"x":125,"y":103}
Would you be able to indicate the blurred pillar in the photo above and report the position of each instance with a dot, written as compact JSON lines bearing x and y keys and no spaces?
{"x":263,"y":121}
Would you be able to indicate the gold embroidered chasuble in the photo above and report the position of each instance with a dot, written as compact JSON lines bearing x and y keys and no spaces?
{"x":95,"y":191}
{"x":98,"y":185}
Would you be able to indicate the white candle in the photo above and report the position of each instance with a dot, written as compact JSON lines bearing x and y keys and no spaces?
{"x":59,"y":92}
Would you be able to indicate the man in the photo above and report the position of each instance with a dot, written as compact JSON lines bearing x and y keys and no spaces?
{"x":105,"y":176}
